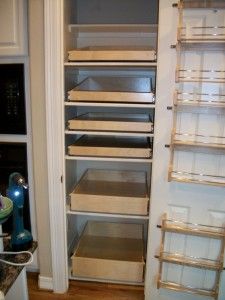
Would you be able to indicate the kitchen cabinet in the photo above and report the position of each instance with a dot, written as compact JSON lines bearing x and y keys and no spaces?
{"x":13,"y":28}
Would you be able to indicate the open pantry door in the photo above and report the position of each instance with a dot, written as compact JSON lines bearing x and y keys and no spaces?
{"x":187,"y":199}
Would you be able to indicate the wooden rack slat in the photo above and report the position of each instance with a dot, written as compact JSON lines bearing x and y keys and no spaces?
{"x":181,"y":288}
{"x":193,"y":229}
{"x":215,"y":4}
{"x":190,"y":261}
{"x":187,"y":177}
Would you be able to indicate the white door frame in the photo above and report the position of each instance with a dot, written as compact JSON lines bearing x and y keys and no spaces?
{"x":53,"y":18}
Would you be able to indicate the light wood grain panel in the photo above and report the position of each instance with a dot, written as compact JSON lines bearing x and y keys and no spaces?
{"x":111,"y":147}
{"x":113,"y":89}
{"x":112,"y":122}
{"x":110,"y":251}
{"x":108,"y":269}
{"x":112,"y":54}
{"x":201,"y":263}
{"x":109,"y":191}
{"x":187,"y":289}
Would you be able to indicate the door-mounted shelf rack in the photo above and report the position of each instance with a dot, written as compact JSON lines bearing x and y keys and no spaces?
{"x":170,"y":225}
{"x":199,"y":99}
{"x":191,"y":261}
{"x":201,"y":45}
{"x":196,"y":100}
{"x":199,"y":178}
{"x":205,"y":33}
{"x":211,"y":76}
{"x":201,"y":34}
{"x":198,"y":142}
{"x":198,"y":230}
{"x":186,"y":289}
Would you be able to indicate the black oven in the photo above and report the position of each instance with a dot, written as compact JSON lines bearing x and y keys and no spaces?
{"x":12,"y":99}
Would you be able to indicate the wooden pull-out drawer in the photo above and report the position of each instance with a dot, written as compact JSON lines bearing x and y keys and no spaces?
{"x":107,"y":191}
{"x":112,"y":122}
{"x":110,"y":251}
{"x":113,"y":89}
{"x":135,"y":147}
{"x":101,"y":53}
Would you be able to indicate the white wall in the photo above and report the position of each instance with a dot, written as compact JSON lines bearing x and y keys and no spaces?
{"x":37,"y":82}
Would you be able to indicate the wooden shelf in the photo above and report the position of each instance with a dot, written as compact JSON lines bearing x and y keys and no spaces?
{"x":121,"y":282}
{"x":109,"y":104}
{"x":181,"y":288}
{"x":199,"y":143}
{"x":201,"y":104}
{"x":195,"y":262}
{"x":214,"y":4}
{"x":100,"y":280}
{"x":202,"y":45}
{"x":193,"y":229}
{"x":112,"y":53}
{"x":133,"y":28}
{"x":109,"y":133}
{"x":107,"y":191}
{"x":198,"y":230}
{"x":120,"y":216}
{"x":112,"y":159}
{"x":109,"y":64}
{"x":196,"y":100}
{"x":199,"y":109}
{"x":211,"y":76}
{"x":199,"y":178}
{"x":113,"y":89}
{"x":129,"y":147}
{"x":110,"y":251}
{"x":112,"y":122}
{"x":206,"y":38}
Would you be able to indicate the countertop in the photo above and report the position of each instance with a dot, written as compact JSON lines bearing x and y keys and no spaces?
{"x":8,"y":274}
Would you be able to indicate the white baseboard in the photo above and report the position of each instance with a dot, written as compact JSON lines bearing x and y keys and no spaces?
{"x":45,"y":283}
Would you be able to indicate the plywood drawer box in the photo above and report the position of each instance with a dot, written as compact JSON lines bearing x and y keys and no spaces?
{"x":113,"y":89}
{"x":110,"y":251}
{"x":105,"y":146}
{"x":104,"y":53}
{"x":112,"y":122}
{"x":107,"y":191}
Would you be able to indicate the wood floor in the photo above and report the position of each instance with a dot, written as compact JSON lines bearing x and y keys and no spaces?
{"x":85,"y":291}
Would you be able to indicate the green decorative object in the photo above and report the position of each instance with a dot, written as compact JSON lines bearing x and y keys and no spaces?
{"x":6,"y":209}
